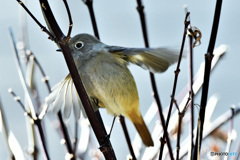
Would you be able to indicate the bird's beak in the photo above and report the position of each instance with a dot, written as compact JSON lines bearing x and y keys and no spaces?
{"x":59,"y":50}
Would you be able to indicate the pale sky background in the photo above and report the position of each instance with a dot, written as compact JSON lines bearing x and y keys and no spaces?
{"x":119,"y":24}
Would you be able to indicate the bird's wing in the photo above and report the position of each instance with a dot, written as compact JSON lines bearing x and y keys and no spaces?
{"x":64,"y":95}
{"x":152,"y":59}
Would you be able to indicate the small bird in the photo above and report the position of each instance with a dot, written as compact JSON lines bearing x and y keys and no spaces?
{"x":107,"y":80}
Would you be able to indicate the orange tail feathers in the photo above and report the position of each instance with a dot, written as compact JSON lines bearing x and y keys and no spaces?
{"x":143,"y":132}
{"x":141,"y":128}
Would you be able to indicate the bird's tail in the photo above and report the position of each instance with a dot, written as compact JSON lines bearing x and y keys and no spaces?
{"x":141,"y":128}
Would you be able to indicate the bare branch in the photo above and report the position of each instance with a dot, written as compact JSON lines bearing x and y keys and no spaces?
{"x":140,"y":9}
{"x":208,"y":60}
{"x":122,"y":121}
{"x":70,"y":19}
{"x":35,"y":19}
{"x":89,"y":4}
{"x":186,"y":22}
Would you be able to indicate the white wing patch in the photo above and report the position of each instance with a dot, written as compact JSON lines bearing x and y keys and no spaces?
{"x":65,"y":96}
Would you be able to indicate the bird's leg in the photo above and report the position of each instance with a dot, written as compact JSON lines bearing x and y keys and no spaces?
{"x":112,"y":126}
{"x":107,"y":138}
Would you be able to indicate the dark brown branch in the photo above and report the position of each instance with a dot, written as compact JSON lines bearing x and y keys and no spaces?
{"x":140,"y":9}
{"x":89,"y":4}
{"x":35,"y":19}
{"x":51,"y":21}
{"x":208,"y":61}
{"x":70,"y":19}
{"x":180,"y":117}
{"x":186,"y":22}
{"x":98,"y":128}
{"x":190,"y":88}
{"x":124,"y":127}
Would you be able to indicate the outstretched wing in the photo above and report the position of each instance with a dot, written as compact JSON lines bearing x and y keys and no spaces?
{"x":64,"y":95}
{"x":152,"y":59}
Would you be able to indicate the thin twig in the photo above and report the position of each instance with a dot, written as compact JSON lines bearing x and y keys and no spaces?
{"x":140,"y":9}
{"x":89,"y":4}
{"x":21,"y":76}
{"x":35,"y":19}
{"x":217,"y":123}
{"x":124,"y":127}
{"x":191,"y":94}
{"x":182,"y":97}
{"x":180,"y":117}
{"x":70,"y":20}
{"x":17,"y":99}
{"x":186,"y":22}
{"x":208,"y":60}
{"x":35,"y":121}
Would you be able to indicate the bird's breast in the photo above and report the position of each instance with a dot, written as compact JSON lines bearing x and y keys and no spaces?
{"x":111,"y":82}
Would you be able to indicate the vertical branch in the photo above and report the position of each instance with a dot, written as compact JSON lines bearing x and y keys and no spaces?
{"x":180,"y":117}
{"x":124,"y":127}
{"x":208,"y":61}
{"x":140,"y":9}
{"x":70,"y":20}
{"x":191,"y":94}
{"x":186,"y":22}
{"x":89,"y":4}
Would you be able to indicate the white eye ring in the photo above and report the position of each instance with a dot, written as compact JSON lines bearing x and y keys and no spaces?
{"x":79,"y":44}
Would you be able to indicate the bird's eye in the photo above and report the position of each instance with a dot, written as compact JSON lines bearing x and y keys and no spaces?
{"x":79,"y":45}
